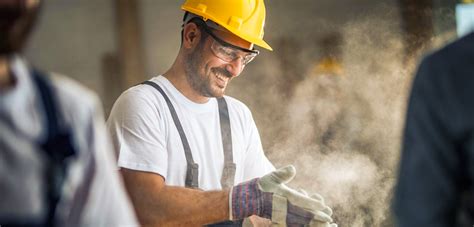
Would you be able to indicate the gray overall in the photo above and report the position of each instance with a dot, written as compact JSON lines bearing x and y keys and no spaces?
{"x":192,"y":171}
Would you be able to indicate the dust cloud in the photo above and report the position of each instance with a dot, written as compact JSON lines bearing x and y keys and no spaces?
{"x":342,"y":132}
{"x":346,"y":129}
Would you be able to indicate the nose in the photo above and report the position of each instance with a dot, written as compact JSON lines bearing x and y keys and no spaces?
{"x":235,"y":67}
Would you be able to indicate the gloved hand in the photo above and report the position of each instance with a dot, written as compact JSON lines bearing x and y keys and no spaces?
{"x":270,"y":198}
{"x":315,"y":223}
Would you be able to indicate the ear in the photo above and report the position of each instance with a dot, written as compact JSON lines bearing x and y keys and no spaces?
{"x":191,"y":35}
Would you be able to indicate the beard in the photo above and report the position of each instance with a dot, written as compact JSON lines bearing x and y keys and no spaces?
{"x":201,"y":82}
{"x":17,"y":19}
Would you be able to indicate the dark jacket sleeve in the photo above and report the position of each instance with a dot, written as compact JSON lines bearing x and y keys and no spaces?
{"x":434,"y":172}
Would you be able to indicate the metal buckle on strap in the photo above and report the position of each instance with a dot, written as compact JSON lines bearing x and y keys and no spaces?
{"x":192,"y":175}
{"x":227,"y":179}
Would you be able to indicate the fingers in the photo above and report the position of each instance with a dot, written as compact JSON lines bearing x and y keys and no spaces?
{"x":302,"y":201}
{"x":327,"y":210}
{"x":283,"y":175}
{"x":302,"y":191}
{"x":315,"y":223}
{"x":322,"y":217}
{"x":317,"y":196}
{"x":318,"y":211}
{"x":272,"y":181}
{"x":299,"y":215}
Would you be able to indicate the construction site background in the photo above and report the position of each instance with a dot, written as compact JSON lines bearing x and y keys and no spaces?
{"x":329,"y":99}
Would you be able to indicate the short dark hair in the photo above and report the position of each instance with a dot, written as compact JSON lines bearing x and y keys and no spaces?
{"x":198,"y":22}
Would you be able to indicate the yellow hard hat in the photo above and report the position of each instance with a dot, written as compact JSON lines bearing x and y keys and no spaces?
{"x":244,"y":18}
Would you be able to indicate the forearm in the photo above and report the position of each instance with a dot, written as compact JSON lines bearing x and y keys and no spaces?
{"x":182,"y":206}
{"x":161,"y":205}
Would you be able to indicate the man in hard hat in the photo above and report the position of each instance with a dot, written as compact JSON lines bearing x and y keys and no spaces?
{"x":185,"y":148}
{"x":56,"y":162}
{"x":436,"y":179}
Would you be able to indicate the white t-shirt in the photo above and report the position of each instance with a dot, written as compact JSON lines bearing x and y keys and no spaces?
{"x":22,"y":163}
{"x":146,"y":137}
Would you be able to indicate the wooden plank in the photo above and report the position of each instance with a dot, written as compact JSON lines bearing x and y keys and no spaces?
{"x":131,"y":62}
{"x":417,"y":23}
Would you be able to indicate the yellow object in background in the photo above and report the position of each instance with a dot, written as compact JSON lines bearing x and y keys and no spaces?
{"x":328,"y":66}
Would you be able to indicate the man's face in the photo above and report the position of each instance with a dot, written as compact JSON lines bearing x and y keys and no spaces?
{"x":207,"y":73}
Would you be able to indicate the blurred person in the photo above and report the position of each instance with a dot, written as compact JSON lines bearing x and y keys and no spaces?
{"x":436,"y":180}
{"x":56,"y":161}
{"x":185,"y":148}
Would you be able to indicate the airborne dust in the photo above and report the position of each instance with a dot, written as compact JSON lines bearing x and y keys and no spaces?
{"x":341,"y":132}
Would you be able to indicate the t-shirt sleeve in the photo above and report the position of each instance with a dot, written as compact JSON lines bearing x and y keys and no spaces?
{"x":136,"y":127}
{"x":256,"y":163}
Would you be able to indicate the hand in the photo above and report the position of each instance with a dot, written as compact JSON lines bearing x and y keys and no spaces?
{"x":321,"y":224}
{"x":256,"y":221}
{"x":269,"y":197}
{"x":317,"y":223}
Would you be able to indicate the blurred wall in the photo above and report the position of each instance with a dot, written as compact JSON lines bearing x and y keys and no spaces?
{"x":75,"y":37}
{"x":161,"y":32}
{"x":72,"y":38}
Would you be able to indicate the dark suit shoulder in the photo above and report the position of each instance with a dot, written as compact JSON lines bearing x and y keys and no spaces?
{"x":459,"y":53}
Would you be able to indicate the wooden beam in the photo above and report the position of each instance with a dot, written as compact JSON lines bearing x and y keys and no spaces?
{"x":130,"y":59}
{"x":417,"y":23}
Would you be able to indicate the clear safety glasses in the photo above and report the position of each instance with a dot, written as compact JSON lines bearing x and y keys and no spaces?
{"x":226,"y":51}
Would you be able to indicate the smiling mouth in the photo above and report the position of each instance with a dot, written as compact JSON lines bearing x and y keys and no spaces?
{"x":221,"y":80}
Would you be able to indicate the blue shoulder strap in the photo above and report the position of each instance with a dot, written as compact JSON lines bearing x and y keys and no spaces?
{"x":57,"y":145}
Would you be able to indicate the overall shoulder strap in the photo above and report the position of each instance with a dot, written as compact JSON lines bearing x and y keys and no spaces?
{"x":49,"y":103}
{"x":57,"y":145}
{"x":228,"y":173}
{"x":192,"y":171}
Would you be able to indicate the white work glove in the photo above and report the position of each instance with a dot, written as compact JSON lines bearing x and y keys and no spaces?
{"x":315,"y":223}
{"x":270,"y":198}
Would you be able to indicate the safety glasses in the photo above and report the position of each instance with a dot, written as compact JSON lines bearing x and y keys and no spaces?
{"x":226,"y":51}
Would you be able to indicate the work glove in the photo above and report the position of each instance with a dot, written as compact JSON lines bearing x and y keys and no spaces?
{"x":315,"y":223}
{"x":270,"y":198}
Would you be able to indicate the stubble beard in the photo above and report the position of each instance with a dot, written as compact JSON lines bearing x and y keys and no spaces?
{"x":201,"y":82}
